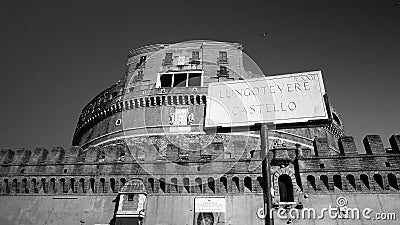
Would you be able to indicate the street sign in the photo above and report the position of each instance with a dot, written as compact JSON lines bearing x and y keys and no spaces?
{"x":297,"y":98}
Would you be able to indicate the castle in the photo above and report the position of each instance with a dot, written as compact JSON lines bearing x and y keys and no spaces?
{"x":141,"y":155}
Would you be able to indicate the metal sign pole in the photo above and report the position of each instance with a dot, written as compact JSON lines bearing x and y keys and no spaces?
{"x":266,"y":172}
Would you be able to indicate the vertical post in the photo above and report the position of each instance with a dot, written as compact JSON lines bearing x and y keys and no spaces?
{"x":266,"y":172}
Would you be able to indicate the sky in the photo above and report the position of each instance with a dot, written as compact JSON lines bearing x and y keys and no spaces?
{"x":55,"y":56}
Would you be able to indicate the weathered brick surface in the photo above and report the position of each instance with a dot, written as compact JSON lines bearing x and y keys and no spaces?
{"x":395,"y":143}
{"x":347,"y":146}
{"x":373,"y":144}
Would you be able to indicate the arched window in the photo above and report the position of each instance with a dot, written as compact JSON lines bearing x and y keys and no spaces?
{"x":365,"y":181}
{"x":337,"y":181}
{"x":82,"y":185}
{"x":62,"y":185}
{"x":15,"y":186}
{"x":351,"y":180}
{"x":324,"y":180}
{"x":199,"y":186}
{"x":248,"y":184}
{"x":174,"y":186}
{"x":211,"y":184}
{"x":24,"y":186}
{"x":91,"y":180}
{"x":34,"y":185}
{"x":44,"y":187}
{"x":150,"y":182}
{"x":378,"y":180}
{"x":393,"y":181}
{"x":223,"y":184}
{"x":6,"y":186}
{"x":162,"y":185}
{"x":53,"y":185}
{"x":102,"y":185}
{"x":285,"y":188}
{"x":72,"y":182}
{"x":311,"y":182}
{"x":186,"y":184}
{"x":112,"y":185}
{"x":261,"y":182}
{"x":235,"y":184}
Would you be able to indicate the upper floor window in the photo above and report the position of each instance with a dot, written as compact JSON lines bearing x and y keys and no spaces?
{"x":195,"y":58}
{"x":181,"y":79}
{"x":223,"y":57}
{"x":141,"y":62}
{"x":168,"y":59}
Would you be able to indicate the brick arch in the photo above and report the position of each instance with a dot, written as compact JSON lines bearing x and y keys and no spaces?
{"x":286,"y":172}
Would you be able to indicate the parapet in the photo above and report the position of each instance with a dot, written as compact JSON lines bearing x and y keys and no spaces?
{"x":373,"y":145}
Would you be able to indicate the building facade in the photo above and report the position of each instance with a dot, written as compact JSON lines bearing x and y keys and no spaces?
{"x":141,"y":155}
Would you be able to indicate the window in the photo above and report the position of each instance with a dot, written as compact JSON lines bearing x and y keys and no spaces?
{"x":285,"y":188}
{"x":223,"y":72}
{"x":195,"y":58}
{"x":192,"y":79}
{"x":223,"y":57}
{"x":167,"y":59}
{"x":130,"y":197}
{"x":141,"y":62}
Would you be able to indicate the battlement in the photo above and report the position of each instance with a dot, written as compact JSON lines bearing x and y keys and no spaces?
{"x":376,"y":170}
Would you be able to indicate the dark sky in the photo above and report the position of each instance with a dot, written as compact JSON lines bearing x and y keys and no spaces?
{"x":55,"y":56}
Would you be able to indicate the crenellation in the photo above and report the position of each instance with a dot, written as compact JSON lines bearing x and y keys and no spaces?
{"x":39,"y":156}
{"x":71,"y":155}
{"x":347,"y":145}
{"x":6,"y":156}
{"x":394,"y":141}
{"x":56,"y":155}
{"x":22,"y":156}
{"x":321,"y":147}
{"x":373,"y":144}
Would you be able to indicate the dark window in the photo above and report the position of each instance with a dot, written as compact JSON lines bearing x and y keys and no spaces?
{"x":337,"y":181}
{"x":72,"y":181}
{"x":195,"y":55}
{"x":235,"y":184}
{"x":387,"y":164}
{"x":311,"y":181}
{"x":180,"y":80}
{"x":321,"y":166}
{"x":162,"y":185}
{"x":82,"y":184}
{"x":211,"y":184}
{"x":364,"y":179}
{"x":168,"y":59}
{"x":198,"y":187}
{"x":393,"y":181}
{"x":53,"y":184}
{"x":112,"y":184}
{"x":378,"y":180}
{"x":150,"y":182}
{"x":248,"y":184}
{"x":92,"y":184}
{"x":186,"y":184}
{"x":130,"y":197}
{"x":351,"y":180}
{"x":194,"y":79}
{"x":102,"y":185}
{"x":285,"y":188}
{"x":324,"y":180}
{"x":166,"y":80}
{"x":141,"y":62}
{"x":223,"y":72}
{"x":223,"y":57}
